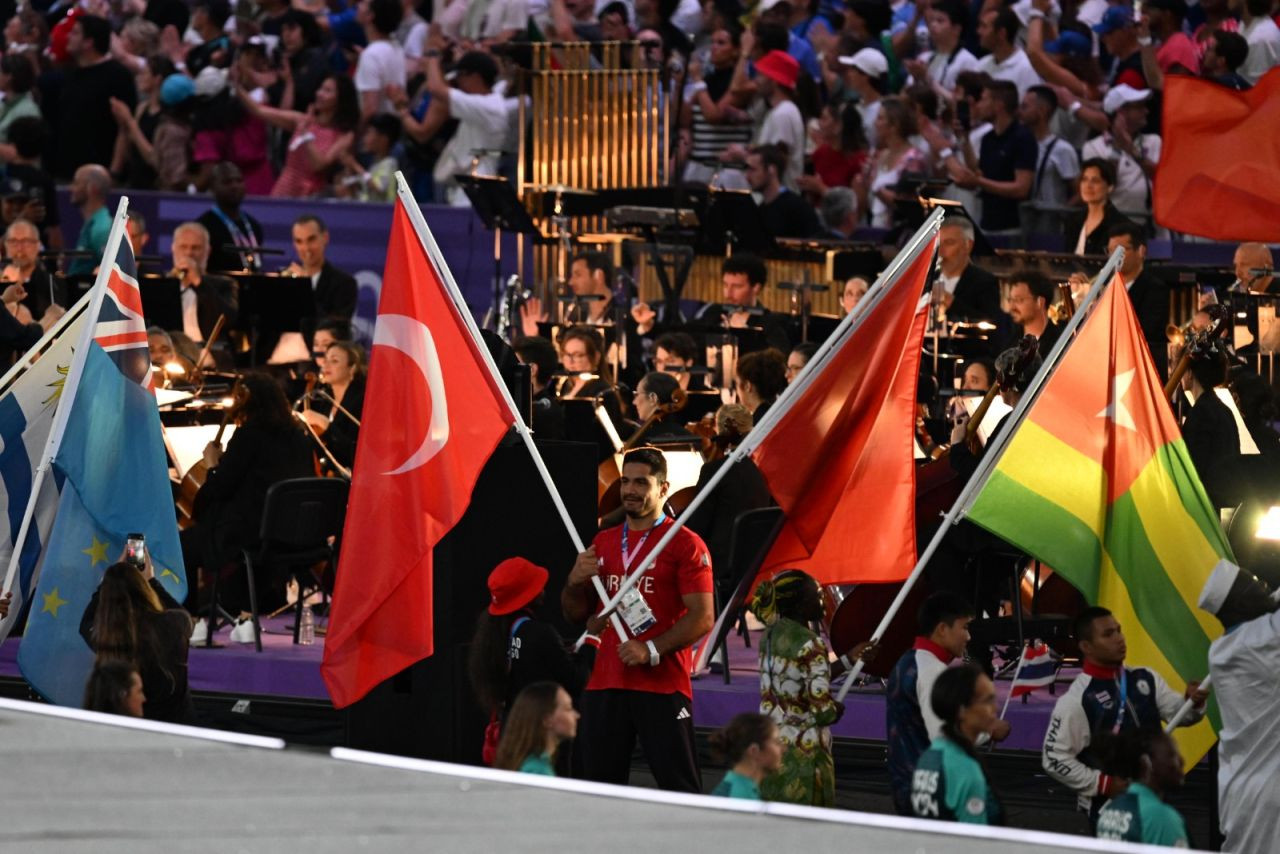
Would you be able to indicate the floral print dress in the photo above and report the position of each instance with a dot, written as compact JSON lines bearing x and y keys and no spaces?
{"x":795,"y":691}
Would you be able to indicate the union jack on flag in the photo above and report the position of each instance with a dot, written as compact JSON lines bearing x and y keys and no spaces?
{"x":121,"y":330}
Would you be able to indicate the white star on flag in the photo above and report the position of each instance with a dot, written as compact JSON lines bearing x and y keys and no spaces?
{"x":1116,"y":410}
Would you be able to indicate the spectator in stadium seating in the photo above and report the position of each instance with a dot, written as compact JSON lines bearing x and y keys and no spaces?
{"x":784,"y":213}
{"x":939,"y":68}
{"x":841,"y":151}
{"x":783,"y":124}
{"x":1133,"y":152}
{"x":1057,"y":163}
{"x":1177,"y":54}
{"x":750,"y":746}
{"x":87,"y":132}
{"x":142,"y":124}
{"x":1224,"y":53}
{"x":29,"y":138}
{"x":949,"y":783}
{"x":1118,"y":33}
{"x":377,"y":183}
{"x":1263,"y":36}
{"x":115,"y":687}
{"x":1088,"y":231}
{"x":486,"y":22}
{"x":132,"y":618}
{"x":208,"y":21}
{"x":895,"y":157}
{"x":304,"y":64}
{"x":89,"y":193}
{"x":229,"y":227}
{"x":17,"y":78}
{"x":540,"y":720}
{"x":1005,"y":60}
{"x":865,"y":73}
{"x":382,"y":61}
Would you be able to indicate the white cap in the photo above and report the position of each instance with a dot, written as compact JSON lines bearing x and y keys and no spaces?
{"x":210,"y":81}
{"x":1219,"y":584}
{"x":766,"y":5}
{"x":1121,"y":95}
{"x":869,"y":61}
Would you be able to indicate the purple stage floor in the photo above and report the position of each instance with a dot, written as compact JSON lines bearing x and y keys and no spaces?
{"x":285,"y":670}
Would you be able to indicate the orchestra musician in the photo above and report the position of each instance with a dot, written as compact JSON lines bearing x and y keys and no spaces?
{"x":655,"y":390}
{"x":335,"y":291}
{"x":743,"y":277}
{"x":1149,"y":295}
{"x":136,"y":228}
{"x":967,"y":291}
{"x":540,"y":355}
{"x":1030,"y":296}
{"x":338,"y":404}
{"x":268,"y":446}
{"x":580,"y":357}
{"x":798,"y":358}
{"x":854,"y":290}
{"x":22,"y":266}
{"x":1255,"y":256}
{"x":227,"y":225}
{"x":1209,"y":430}
{"x":591,"y":275}
{"x":676,"y":353}
{"x":760,"y":378}
{"x":204,"y":297}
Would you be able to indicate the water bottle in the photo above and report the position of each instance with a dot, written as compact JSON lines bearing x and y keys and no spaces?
{"x":307,"y":626}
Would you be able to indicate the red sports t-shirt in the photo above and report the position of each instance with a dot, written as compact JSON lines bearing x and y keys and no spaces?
{"x":684,"y":567}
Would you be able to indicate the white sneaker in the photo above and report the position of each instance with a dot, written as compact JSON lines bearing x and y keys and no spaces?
{"x":199,"y":632}
{"x":242,"y":632}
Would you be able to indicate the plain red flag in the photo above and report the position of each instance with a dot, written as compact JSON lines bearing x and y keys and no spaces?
{"x":432,"y":417}
{"x":1219,"y":172}
{"x":840,"y":462}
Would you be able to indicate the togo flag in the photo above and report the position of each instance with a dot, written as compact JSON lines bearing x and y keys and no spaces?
{"x":1097,"y":483}
{"x":28,"y":398}
{"x":108,"y":451}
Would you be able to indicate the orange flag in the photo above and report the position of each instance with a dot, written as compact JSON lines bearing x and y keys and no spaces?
{"x":1219,"y":172}
{"x":840,"y":461}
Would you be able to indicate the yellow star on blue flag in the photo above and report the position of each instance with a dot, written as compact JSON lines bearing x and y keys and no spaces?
{"x":97,"y":552}
{"x":52,"y":602}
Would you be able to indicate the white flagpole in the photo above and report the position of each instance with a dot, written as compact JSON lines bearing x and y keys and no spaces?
{"x":808,"y":374}
{"x":20,"y":367}
{"x":63,"y":413}
{"x":1017,"y":671}
{"x":1185,"y":708}
{"x":995,"y":449}
{"x":446,"y":276}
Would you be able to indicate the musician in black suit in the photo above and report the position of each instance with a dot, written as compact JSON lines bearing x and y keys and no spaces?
{"x":967,"y":291}
{"x":1149,"y":295}
{"x":743,"y":277}
{"x":1030,"y":295}
{"x":1210,"y":432}
{"x":22,"y":265}
{"x":228,"y":226}
{"x":335,"y":291}
{"x":204,"y":296}
{"x":338,"y":405}
{"x":543,"y":361}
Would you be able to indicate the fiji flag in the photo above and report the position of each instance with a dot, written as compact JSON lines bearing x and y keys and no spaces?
{"x":1038,"y":669}
{"x":107,"y":449}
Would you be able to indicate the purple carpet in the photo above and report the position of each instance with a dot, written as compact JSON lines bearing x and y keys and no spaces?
{"x":285,"y":670}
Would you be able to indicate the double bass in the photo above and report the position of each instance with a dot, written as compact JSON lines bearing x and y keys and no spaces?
{"x":195,"y":477}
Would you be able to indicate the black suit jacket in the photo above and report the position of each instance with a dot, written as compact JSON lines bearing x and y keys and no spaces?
{"x":343,"y":432}
{"x":220,"y":260}
{"x":1150,"y":298}
{"x":335,"y":293}
{"x":977,"y":295}
{"x":217,"y":295}
{"x":1213,"y":441}
{"x":1095,"y":242}
{"x":43,"y":290}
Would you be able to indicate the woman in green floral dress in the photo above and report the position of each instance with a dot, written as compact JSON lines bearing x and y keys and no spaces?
{"x":795,"y":688}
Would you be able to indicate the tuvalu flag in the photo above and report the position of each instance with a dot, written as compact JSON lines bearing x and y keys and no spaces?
{"x":432,"y":417}
{"x":840,"y":461}
{"x":1219,"y":171}
{"x":1097,"y":483}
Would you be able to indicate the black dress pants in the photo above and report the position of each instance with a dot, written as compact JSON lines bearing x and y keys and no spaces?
{"x":612,"y":721}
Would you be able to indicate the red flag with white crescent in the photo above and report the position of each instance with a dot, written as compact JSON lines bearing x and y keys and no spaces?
{"x":432,"y":416}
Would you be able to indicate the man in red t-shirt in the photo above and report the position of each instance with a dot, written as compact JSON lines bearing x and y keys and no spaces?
{"x":641,"y":688}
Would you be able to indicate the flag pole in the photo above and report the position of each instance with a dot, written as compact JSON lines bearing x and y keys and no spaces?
{"x":995,"y":448}
{"x":1185,"y":708}
{"x":20,"y":367}
{"x":1017,"y":671}
{"x":808,"y":374}
{"x":63,"y":413}
{"x":446,"y":276}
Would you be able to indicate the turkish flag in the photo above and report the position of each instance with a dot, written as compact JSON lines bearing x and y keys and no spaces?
{"x":433,"y":414}
{"x":841,"y":462}
{"x":1219,"y":171}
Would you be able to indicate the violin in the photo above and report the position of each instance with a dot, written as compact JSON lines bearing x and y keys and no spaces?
{"x":196,"y":476}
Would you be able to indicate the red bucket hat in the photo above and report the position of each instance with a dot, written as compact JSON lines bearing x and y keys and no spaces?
{"x":513,"y":584}
{"x":780,"y":67}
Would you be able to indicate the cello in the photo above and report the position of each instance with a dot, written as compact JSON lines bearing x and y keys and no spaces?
{"x":609,"y":493}
{"x":195,"y":477}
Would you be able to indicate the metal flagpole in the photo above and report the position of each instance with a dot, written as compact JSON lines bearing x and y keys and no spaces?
{"x":808,"y":374}
{"x":1022,"y":659}
{"x":995,"y":449}
{"x":63,"y":413}
{"x":446,"y":276}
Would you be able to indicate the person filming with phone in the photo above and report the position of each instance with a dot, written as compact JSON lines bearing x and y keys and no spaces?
{"x":133,"y":619}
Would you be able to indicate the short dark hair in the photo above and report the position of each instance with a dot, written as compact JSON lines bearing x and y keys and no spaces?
{"x":1005,"y":92}
{"x":387,"y":125}
{"x":772,"y":155}
{"x":219,"y":11}
{"x":1209,"y":368}
{"x":1105,"y":167}
{"x":1007,"y":20}
{"x":1046,"y":95}
{"x":651,"y":457}
{"x":616,"y":8}
{"x":1137,"y":234}
{"x":29,"y":135}
{"x":478,"y":62}
{"x":1082,"y":625}
{"x":770,"y":36}
{"x":311,"y":35}
{"x":386,"y":15}
{"x":876,"y":13}
{"x":306,"y":218}
{"x":679,"y":344}
{"x":1232,"y":47}
{"x":97,"y":30}
{"x":661,"y":384}
{"x":749,"y":265}
{"x":730,"y":743}
{"x":1038,"y":283}
{"x":956,"y":11}
{"x":942,"y":607}
{"x":22,"y":74}
{"x":338,"y":327}
{"x":807,"y":350}
{"x":597,"y":261}
{"x":536,"y":350}
{"x":766,"y":370}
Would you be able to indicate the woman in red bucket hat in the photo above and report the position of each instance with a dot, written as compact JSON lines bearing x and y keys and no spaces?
{"x":512,"y":648}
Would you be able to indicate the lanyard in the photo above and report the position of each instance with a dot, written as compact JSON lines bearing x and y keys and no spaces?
{"x":1124,"y":698}
{"x":627,"y":555}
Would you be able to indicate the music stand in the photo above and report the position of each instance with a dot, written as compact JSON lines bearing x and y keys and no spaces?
{"x":270,"y":305}
{"x":734,"y":219}
{"x":161,"y":301}
{"x":496,"y":203}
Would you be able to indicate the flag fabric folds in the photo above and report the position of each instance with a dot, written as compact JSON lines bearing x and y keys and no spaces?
{"x":1097,"y":483}
{"x":1038,"y":669}
{"x":1234,"y":192}
{"x":432,"y":417}
{"x":109,"y":454}
{"x":27,"y":406}
{"x":840,"y":461}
